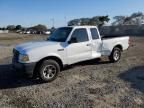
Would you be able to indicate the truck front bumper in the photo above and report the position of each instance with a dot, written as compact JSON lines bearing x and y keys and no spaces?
{"x":27,"y":68}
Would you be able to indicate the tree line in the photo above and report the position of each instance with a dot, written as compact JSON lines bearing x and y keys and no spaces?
{"x":38,"y":27}
{"x":133,"y":19}
{"x":96,"y":21}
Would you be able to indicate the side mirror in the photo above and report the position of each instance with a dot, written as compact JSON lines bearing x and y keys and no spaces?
{"x":73,"y":40}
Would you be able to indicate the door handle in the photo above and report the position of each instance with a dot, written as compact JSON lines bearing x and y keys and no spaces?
{"x":60,"y":50}
{"x":88,"y":44}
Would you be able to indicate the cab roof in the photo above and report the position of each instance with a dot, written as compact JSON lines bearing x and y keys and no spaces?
{"x":82,"y":26}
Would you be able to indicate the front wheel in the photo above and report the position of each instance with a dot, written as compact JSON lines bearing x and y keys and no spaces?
{"x":115,"y":55}
{"x":49,"y":70}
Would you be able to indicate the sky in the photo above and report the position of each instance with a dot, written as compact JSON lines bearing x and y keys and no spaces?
{"x":32,"y":12}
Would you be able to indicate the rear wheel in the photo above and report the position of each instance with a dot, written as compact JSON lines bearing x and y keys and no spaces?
{"x":49,"y":70}
{"x":115,"y":55}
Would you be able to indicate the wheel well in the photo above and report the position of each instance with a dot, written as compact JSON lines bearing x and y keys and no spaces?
{"x":119,"y":46}
{"x":48,"y":58}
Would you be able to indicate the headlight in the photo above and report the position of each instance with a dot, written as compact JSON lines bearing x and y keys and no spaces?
{"x":23,"y":58}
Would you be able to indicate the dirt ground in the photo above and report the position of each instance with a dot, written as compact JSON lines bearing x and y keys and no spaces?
{"x":90,"y":84}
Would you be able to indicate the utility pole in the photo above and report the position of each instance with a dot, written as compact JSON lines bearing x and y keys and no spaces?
{"x":65,"y":18}
{"x":53,"y":22}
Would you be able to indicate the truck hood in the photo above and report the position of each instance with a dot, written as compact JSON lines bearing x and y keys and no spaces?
{"x":25,"y":47}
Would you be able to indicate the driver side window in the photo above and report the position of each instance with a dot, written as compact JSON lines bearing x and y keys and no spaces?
{"x":80,"y":35}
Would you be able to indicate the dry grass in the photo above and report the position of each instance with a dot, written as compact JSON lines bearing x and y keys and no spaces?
{"x":90,"y":84}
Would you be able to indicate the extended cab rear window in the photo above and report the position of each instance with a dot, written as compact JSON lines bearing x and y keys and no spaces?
{"x":94,"y":33}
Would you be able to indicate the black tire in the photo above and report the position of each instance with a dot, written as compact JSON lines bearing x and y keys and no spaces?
{"x":49,"y":70}
{"x":115,"y":55}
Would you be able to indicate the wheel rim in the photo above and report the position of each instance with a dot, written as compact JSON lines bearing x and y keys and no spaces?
{"x":116,"y":55}
{"x":49,"y":71}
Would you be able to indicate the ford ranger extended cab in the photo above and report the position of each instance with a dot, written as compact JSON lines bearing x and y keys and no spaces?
{"x":66,"y":46}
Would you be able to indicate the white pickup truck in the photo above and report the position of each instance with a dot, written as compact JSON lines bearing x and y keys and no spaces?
{"x":66,"y":46}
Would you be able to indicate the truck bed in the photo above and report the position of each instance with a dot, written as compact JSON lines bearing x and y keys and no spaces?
{"x":109,"y":42}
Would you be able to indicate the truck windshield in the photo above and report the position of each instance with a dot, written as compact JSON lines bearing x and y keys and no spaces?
{"x":61,"y":34}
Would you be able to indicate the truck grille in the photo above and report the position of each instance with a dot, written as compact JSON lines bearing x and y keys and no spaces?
{"x":15,"y":56}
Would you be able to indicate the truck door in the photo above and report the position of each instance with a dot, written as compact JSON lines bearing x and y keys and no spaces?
{"x":96,"y":43}
{"x":79,"y":48}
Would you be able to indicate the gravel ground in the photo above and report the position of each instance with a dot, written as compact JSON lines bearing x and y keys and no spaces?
{"x":90,"y":84}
